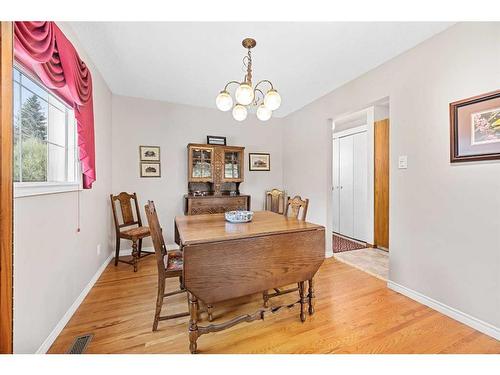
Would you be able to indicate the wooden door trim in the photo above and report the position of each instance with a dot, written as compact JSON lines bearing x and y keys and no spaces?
{"x":6,"y":198}
{"x":381,"y":184}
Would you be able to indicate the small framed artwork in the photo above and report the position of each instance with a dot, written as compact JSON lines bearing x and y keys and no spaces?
{"x":150,"y":169}
{"x":215,"y":140}
{"x":149,"y":153}
{"x":475,"y":128}
{"x":258,"y":161}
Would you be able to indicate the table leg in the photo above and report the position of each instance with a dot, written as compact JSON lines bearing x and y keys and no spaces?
{"x":134,"y":254}
{"x":302,"y":301}
{"x":265,"y":296}
{"x":311,"y":296}
{"x":210,"y":314}
{"x":193,"y":322}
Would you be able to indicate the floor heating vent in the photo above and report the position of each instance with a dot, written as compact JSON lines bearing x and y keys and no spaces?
{"x":80,"y":344}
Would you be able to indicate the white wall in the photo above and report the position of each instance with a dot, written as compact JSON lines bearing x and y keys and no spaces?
{"x":52,"y":262}
{"x":444,"y":219}
{"x":172,"y":126}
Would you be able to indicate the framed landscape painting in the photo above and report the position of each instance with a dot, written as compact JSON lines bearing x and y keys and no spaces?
{"x":475,"y":128}
{"x":259,"y":162}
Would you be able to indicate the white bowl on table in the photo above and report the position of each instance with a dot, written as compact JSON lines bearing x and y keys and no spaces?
{"x":239,"y":216}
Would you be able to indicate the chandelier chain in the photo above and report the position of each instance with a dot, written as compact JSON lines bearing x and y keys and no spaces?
{"x":247,"y":62}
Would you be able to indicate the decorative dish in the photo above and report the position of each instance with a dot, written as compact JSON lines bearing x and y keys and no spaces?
{"x":239,"y":216}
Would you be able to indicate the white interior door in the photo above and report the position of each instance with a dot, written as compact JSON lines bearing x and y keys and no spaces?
{"x":360,"y":186}
{"x":346,"y":186}
{"x":336,"y":185}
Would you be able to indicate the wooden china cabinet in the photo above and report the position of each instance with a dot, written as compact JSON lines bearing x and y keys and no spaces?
{"x":214,"y":177}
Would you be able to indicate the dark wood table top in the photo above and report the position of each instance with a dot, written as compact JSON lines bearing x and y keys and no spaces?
{"x":197,"y":229}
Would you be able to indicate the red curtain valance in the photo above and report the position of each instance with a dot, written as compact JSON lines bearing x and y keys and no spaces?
{"x":43,"y":48}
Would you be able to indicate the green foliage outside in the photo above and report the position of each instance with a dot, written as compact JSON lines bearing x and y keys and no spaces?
{"x":30,"y":135}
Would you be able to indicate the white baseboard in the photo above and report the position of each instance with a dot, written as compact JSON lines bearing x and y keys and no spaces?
{"x":67,"y":316}
{"x":453,"y":313}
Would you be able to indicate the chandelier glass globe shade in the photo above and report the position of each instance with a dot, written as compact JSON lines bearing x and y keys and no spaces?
{"x":224,"y":101}
{"x":239,"y":112}
{"x":263,"y":113}
{"x":244,"y":94}
{"x":272,"y":100}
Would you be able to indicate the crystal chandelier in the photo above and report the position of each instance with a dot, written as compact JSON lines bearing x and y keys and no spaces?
{"x":246,"y":95}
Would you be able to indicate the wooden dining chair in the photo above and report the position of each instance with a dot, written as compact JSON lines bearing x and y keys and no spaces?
{"x":169,"y":263}
{"x":134,"y":230}
{"x":295,"y":207}
{"x":275,"y":201}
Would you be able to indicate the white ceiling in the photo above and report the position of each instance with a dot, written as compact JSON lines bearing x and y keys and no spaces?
{"x":190,"y":63}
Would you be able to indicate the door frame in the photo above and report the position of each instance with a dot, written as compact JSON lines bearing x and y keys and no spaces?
{"x":382,"y":183}
{"x":350,"y":131}
{"x":362,"y":120}
{"x":6,"y":189}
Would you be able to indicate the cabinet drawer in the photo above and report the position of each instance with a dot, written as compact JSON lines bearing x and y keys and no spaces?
{"x":215,"y":205}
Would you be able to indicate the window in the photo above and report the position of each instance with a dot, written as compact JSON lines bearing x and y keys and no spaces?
{"x":45,"y":152}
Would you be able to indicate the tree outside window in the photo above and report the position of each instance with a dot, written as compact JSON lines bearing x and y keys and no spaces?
{"x":44,"y":134}
{"x":30,"y":147}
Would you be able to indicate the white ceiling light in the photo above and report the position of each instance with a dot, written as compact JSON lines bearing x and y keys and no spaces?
{"x":224,"y":101}
{"x":240,"y":112}
{"x":263,"y":113}
{"x":246,"y":95}
{"x":272,"y":100}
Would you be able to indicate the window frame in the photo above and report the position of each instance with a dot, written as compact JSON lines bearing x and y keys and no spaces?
{"x":27,"y":189}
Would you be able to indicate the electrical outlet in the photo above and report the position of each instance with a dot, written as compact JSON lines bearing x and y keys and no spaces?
{"x":99,"y":249}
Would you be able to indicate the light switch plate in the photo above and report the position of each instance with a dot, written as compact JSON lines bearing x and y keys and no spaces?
{"x":403,"y":162}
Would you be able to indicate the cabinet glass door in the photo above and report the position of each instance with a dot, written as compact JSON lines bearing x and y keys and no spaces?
{"x":202,"y":163}
{"x":232,"y":164}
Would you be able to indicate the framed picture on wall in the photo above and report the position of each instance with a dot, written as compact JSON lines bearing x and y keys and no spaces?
{"x":150,"y":170}
{"x":258,"y":161}
{"x":216,"y":140}
{"x":149,"y":153}
{"x":475,"y":128}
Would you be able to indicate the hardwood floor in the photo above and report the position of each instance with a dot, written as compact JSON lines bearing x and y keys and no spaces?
{"x":355,"y":313}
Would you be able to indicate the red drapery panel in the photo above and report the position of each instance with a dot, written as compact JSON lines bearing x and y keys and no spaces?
{"x":43,"y":48}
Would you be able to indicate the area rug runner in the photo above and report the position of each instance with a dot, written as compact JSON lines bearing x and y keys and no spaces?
{"x":341,"y":244}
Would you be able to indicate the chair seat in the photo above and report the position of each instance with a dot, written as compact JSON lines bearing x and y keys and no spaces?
{"x":139,"y":232}
{"x":173,"y":261}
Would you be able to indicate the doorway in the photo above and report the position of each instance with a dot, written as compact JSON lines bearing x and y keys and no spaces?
{"x":360,"y":189}
{"x":350,"y":184}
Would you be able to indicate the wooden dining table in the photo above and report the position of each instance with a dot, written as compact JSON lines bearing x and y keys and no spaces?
{"x":225,"y":260}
